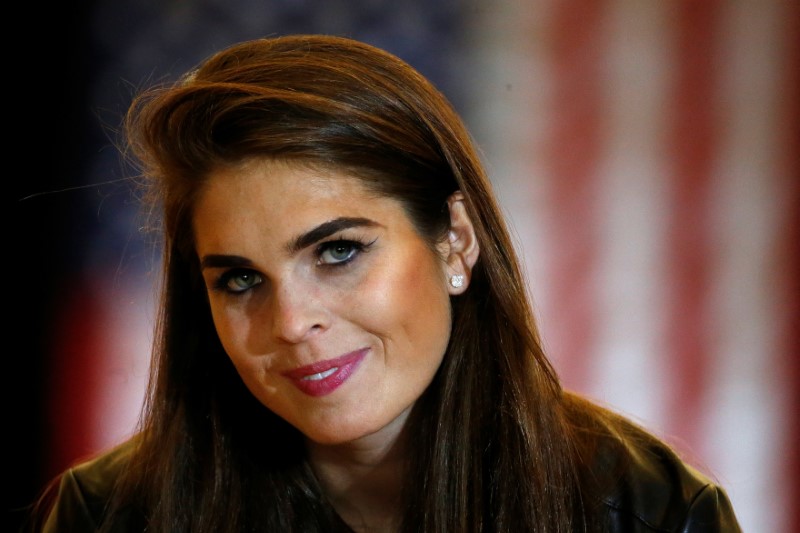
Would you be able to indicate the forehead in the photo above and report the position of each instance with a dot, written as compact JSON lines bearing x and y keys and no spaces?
{"x":278,"y":184}
{"x":286,"y":175}
{"x":281,"y":198}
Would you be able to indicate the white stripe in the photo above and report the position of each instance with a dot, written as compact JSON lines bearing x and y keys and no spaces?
{"x":628,"y":366}
{"x":124,"y":341}
{"x":748,"y":412}
{"x":508,"y":116}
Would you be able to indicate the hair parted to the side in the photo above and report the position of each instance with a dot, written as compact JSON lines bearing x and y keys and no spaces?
{"x":491,"y":447}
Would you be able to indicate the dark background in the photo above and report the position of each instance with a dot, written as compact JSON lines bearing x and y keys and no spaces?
{"x":48,"y":71}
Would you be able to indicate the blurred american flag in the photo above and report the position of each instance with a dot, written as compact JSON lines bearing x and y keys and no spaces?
{"x":647,"y":156}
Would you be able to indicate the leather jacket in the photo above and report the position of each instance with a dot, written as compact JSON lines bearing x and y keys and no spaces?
{"x":638,"y":488}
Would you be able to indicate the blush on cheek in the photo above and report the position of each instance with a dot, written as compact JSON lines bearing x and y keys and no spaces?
{"x":423,"y":301}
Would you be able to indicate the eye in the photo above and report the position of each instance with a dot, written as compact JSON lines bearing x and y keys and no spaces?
{"x":238,"y":280}
{"x":340,"y":252}
{"x":336,"y":252}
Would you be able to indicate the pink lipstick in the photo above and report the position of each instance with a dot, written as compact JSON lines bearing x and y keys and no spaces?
{"x":324,"y":377}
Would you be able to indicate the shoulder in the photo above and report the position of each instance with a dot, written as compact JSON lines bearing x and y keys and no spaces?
{"x":86,"y":489}
{"x":640,"y":484}
{"x":96,"y":477}
{"x":649,"y":488}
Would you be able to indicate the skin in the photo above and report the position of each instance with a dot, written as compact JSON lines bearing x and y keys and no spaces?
{"x":284,"y":294}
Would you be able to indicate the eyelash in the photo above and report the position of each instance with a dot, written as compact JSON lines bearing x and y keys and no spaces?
{"x":355,"y":247}
{"x":223,"y":282}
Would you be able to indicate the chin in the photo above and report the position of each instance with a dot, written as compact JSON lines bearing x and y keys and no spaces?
{"x":343,"y":434}
{"x":333,"y":438}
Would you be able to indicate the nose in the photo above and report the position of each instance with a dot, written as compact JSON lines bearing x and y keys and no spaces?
{"x":297,"y":313}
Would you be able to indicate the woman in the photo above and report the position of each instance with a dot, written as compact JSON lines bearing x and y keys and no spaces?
{"x":344,"y":342}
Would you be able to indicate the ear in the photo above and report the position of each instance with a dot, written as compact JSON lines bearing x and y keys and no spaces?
{"x":461,"y":249}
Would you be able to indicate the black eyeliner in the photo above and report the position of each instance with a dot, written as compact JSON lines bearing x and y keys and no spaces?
{"x":326,"y":229}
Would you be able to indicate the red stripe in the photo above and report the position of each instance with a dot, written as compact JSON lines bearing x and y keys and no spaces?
{"x":692,"y":146}
{"x":574,"y":151}
{"x":790,"y":254}
{"x":74,"y":378}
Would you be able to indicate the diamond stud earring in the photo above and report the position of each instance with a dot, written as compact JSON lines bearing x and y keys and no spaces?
{"x":457,"y":280}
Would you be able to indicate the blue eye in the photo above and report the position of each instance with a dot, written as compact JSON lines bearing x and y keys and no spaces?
{"x":338,"y":252}
{"x":238,"y":280}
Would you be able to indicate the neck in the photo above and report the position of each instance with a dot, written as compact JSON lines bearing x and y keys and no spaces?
{"x":363,"y":479}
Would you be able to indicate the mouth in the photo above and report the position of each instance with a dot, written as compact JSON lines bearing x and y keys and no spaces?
{"x":324,"y":377}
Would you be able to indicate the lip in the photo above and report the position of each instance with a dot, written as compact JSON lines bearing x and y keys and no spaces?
{"x":334,"y":372}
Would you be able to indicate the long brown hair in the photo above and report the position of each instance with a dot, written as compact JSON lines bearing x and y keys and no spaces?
{"x":492,"y":448}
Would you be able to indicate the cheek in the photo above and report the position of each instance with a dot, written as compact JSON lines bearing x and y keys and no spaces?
{"x":233,"y":327}
{"x":223,"y":323}
{"x":410,"y":306}
{"x":248,"y":355}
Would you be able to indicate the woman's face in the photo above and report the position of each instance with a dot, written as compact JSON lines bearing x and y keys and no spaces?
{"x":334,"y":311}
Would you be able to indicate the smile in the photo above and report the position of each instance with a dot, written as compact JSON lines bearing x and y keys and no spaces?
{"x":324,"y":377}
{"x":321,"y":375}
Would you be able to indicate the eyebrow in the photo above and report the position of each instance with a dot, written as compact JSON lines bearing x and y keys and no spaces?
{"x":326,"y":229}
{"x":224,"y":261}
